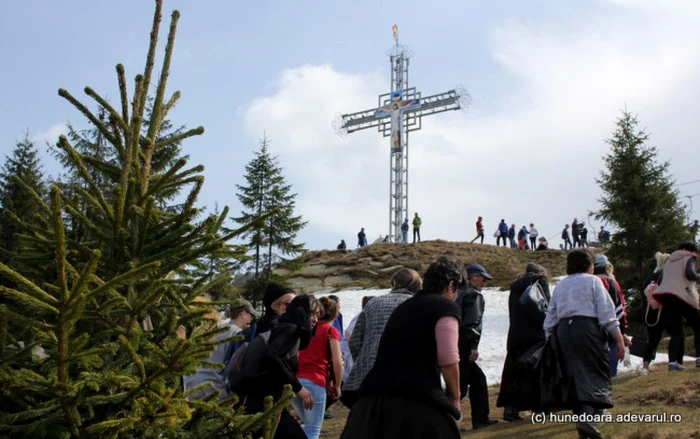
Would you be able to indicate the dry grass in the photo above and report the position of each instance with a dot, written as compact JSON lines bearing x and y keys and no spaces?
{"x":363,"y":266}
{"x":676,"y":393}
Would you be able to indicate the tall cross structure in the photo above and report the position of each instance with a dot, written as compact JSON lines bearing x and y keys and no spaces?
{"x":398,"y":113}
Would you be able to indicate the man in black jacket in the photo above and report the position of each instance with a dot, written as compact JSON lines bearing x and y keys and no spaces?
{"x":472,"y":378}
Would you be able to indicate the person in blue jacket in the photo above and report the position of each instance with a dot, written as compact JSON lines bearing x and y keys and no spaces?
{"x":503,"y":233}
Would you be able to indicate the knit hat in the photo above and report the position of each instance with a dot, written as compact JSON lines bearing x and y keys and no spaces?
{"x":273,"y":292}
{"x":601,"y":261}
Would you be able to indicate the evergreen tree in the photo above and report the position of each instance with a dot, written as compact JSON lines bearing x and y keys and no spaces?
{"x":20,"y":175}
{"x":268,"y":193}
{"x":639,"y":200}
{"x":94,"y":350}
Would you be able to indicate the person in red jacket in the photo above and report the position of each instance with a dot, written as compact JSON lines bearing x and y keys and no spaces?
{"x":479,"y":231}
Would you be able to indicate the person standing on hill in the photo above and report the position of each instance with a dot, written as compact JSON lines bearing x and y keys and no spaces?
{"x":584,"y":236}
{"x":502,"y":233}
{"x":533,"y":237}
{"x":342,"y":245}
{"x":511,"y":236}
{"x":472,"y":379}
{"x":522,"y":238}
{"x":565,"y":237}
{"x":479,"y":230}
{"x":416,"y":227}
{"x":361,"y":238}
{"x":576,"y":233}
{"x":404,"y":231}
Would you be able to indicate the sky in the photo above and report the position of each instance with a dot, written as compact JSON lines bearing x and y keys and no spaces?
{"x":548,"y":79}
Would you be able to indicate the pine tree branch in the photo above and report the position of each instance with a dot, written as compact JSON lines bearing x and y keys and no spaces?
{"x":107,"y":106}
{"x":87,"y":113}
{"x":27,"y":284}
{"x":165,"y":178}
{"x":121,"y":75}
{"x":32,"y":193}
{"x":180,"y":137}
{"x":147,"y":216}
{"x":142,"y":89}
{"x":171,"y":103}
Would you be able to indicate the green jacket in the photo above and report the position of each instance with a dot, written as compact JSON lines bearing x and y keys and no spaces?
{"x":417,"y":222}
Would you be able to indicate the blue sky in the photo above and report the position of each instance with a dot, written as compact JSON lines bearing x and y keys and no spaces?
{"x":548,"y":79}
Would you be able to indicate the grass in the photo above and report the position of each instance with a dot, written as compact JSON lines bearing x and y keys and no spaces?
{"x":660,"y":392}
{"x":362,"y":267}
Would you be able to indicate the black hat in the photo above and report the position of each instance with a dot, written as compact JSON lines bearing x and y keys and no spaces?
{"x":273,"y":292}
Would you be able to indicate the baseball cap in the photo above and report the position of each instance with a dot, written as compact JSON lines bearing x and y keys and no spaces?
{"x":244,"y":305}
{"x":601,"y":261}
{"x":478,"y":269}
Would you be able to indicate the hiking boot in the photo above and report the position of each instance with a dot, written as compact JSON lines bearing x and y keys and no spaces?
{"x":588,"y":430}
{"x":511,"y":414}
{"x":675,"y":367}
{"x":487,"y":423}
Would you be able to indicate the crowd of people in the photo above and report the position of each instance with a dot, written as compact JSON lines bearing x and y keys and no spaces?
{"x":524,"y":238}
{"x":409,"y":358}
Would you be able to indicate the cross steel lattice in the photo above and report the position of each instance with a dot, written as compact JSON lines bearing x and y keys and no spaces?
{"x":397,"y":114}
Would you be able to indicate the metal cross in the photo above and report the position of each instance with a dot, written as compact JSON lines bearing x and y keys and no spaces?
{"x":400,"y":112}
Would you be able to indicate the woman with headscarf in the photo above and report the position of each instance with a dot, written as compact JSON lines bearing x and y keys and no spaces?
{"x":402,"y":397}
{"x":580,"y":318}
{"x":520,"y":383}
{"x":275,"y":363}
{"x":678,"y":293}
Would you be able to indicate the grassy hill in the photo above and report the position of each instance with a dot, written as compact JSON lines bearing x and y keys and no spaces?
{"x":372,"y":266}
{"x":660,"y":392}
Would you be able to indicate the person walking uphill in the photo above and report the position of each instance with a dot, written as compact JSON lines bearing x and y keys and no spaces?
{"x":416,"y":227}
{"x":502,"y":233}
{"x":402,"y":397}
{"x":575,"y":368}
{"x":520,"y":382}
{"x":678,"y":295}
{"x":268,"y":366}
{"x":472,"y":378}
{"x":479,"y":230}
{"x":369,"y":328}
{"x":314,"y":361}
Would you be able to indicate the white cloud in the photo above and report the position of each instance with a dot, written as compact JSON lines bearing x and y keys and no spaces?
{"x":534,"y":158}
{"x":51,"y":134}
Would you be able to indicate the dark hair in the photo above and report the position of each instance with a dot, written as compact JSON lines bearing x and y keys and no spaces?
{"x":334,"y":297}
{"x":439,"y":274}
{"x":329,"y":309}
{"x":407,"y":279}
{"x":690,"y":246}
{"x":597,"y":269}
{"x":533,"y":268}
{"x":579,"y":261}
{"x":365,"y":300}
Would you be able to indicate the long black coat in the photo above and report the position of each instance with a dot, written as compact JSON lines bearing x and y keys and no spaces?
{"x":520,"y":382}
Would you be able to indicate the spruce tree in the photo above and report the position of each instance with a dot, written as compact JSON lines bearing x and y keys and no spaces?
{"x":93,"y":351}
{"x":267,"y":193}
{"x":20,"y":175}
{"x":639,"y":200}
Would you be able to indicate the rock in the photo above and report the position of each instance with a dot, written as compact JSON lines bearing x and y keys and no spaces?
{"x":338,"y":280}
{"x":390,"y":269}
{"x":313,"y":269}
{"x":373,"y":273}
{"x":305,"y":284}
{"x":365,"y":260}
{"x":376,"y":264}
{"x":241,"y":279}
{"x":387,"y":257}
{"x":281,"y":271}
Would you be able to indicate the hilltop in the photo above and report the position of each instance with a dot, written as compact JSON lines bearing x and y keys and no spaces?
{"x":372,"y":266}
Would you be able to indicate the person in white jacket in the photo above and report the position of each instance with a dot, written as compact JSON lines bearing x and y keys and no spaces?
{"x":533,"y":237}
